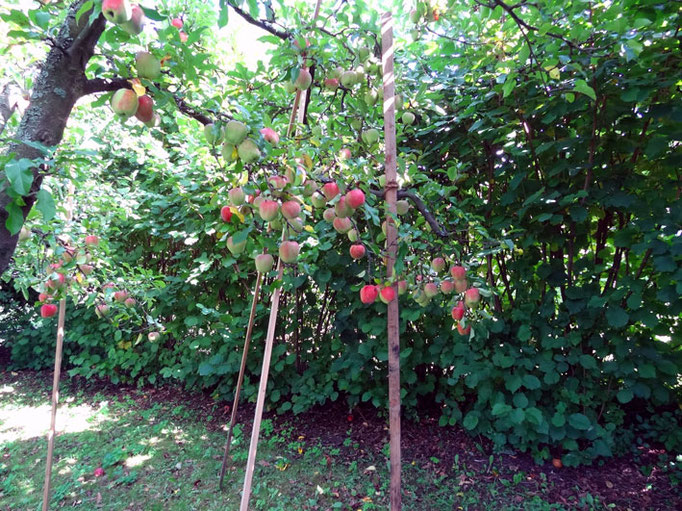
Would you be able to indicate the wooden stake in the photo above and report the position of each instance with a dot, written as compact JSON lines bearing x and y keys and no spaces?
{"x":240,"y":380}
{"x":55,"y":402}
{"x":255,"y":432}
{"x":391,"y":192}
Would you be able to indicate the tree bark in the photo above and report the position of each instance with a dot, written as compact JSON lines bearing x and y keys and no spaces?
{"x":59,"y":85}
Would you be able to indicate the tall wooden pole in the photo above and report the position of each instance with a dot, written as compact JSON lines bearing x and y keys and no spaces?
{"x":391,"y":192}
{"x":55,"y":402}
{"x":240,"y":379}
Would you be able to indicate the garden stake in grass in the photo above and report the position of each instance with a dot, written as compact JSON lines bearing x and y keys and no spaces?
{"x":391,"y":192}
{"x":240,"y":380}
{"x":55,"y":402}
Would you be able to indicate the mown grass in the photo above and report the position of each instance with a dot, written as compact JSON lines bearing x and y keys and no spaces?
{"x":165,"y":456}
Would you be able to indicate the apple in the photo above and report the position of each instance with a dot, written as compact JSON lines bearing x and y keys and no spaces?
{"x":344,"y":154}
{"x":295,"y":225}
{"x":236,"y":196}
{"x":48,"y":310}
{"x":447,"y":287}
{"x":129,"y":302}
{"x":357,"y":251}
{"x":363,"y":53}
{"x":153,"y":336}
{"x":318,"y":200}
{"x":288,"y":251}
{"x":177,"y":23}
{"x":371,"y":97}
{"x":226,"y":213}
{"x":135,"y":24}
{"x":355,"y":198}
{"x":291,"y":209}
{"x":342,"y":209}
{"x":270,"y":135}
{"x":472,"y":297}
{"x":145,"y":108}
{"x":268,"y":210}
{"x":248,"y":151}
{"x":183,"y":37}
{"x":368,"y":294}
{"x":438,"y":264}
{"x":348,"y":79}
{"x":461,"y":285}
{"x":352,"y":235}
{"x":289,"y":87}
{"x":117,"y":11}
{"x":278,"y":182}
{"x":147,"y":65}
{"x":330,"y":190}
{"x":408,"y":118}
{"x":342,"y":225}
{"x":309,"y":187}
{"x":387,"y":294}
{"x":212,"y":133}
{"x":120,"y":296}
{"x":124,"y":103}
{"x":303,"y":80}
{"x":235,"y":248}
{"x":462,"y":330}
{"x":458,"y":272}
{"x":229,"y":152}
{"x":331,"y":83}
{"x":235,"y":132}
{"x":264,"y":263}
{"x":402,"y":287}
{"x":370,"y":136}
{"x":101,"y":310}
{"x":43,"y":297}
{"x":91,"y":240}
{"x":56,"y":283}
{"x":457,"y":312}
{"x":86,"y":268}
{"x":329,"y":214}
{"x":430,"y":289}
{"x":24,"y":234}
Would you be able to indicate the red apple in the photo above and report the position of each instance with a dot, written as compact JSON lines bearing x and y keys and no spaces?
{"x":129,"y":302}
{"x":344,"y":154}
{"x":458,"y":272}
{"x":91,"y":240}
{"x":387,"y":294}
{"x":177,"y":22}
{"x":288,"y":251}
{"x":357,"y":251}
{"x":183,"y":37}
{"x":430,"y":289}
{"x":291,"y":209}
{"x":472,"y":297}
{"x":461,"y":285}
{"x":270,"y":135}
{"x":457,"y":312}
{"x":268,"y":210}
{"x":462,"y":330}
{"x":48,"y":310}
{"x":368,"y":294}
{"x":330,"y":190}
{"x":438,"y":264}
{"x":44,"y":297}
{"x":329,"y":215}
{"x":225,"y":213}
{"x":355,"y":198}
{"x":102,"y":309}
{"x":120,"y":296}
{"x":447,"y":286}
{"x":342,"y":225}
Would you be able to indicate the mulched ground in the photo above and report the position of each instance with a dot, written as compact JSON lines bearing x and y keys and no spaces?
{"x":616,"y":481}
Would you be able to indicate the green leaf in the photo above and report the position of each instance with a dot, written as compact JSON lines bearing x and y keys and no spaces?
{"x":579,"y":421}
{"x":470,"y":421}
{"x":19,"y":175}
{"x":625,"y":395}
{"x":224,"y":12}
{"x":616,"y":316}
{"x":581,"y":86}
{"x":520,"y":400}
{"x":588,"y":362}
{"x":46,"y":205}
{"x":531,"y":382}
{"x":15,"y":218}
{"x":205,"y":369}
{"x":558,"y":419}
{"x":647,"y":371}
{"x":500,"y":409}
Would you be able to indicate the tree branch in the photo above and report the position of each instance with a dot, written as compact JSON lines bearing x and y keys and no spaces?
{"x":437,"y":229}
{"x":265,"y":25}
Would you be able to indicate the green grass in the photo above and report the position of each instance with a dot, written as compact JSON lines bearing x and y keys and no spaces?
{"x":166,"y":456}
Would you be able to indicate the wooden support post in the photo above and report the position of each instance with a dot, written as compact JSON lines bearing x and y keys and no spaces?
{"x":391,"y":192}
{"x":240,"y":379}
{"x":55,"y":402}
{"x":255,"y":432}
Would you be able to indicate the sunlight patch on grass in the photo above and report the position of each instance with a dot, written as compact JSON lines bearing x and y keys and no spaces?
{"x":135,"y":461}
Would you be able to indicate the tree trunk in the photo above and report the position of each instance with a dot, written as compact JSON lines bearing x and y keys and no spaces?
{"x":59,"y":85}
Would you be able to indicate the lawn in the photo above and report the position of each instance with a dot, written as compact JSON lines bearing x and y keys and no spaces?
{"x":161,"y":449}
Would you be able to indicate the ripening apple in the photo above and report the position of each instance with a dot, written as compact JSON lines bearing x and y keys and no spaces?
{"x":183,"y":37}
{"x":226,"y":213}
{"x":44,"y":297}
{"x":91,"y":240}
{"x":370,"y":136}
{"x":177,"y":23}
{"x":248,"y":151}
{"x":235,"y":248}
{"x":408,"y":118}
{"x":48,"y":310}
{"x":402,"y":287}
{"x":461,"y":285}
{"x":235,"y":132}
{"x":352,"y":235}
{"x":438,"y":264}
{"x":342,"y":209}
{"x":147,"y":65}
{"x":236,"y":196}
{"x":371,"y":97}
{"x":145,"y":108}
{"x":268,"y":210}
{"x":124,"y":103}
{"x":24,"y":234}
{"x":430,"y":289}
{"x":458,"y":272}
{"x":318,"y":200}
{"x":344,"y":154}
{"x":270,"y":135}
{"x":117,"y":11}
{"x":135,"y":24}
{"x":331,"y":83}
{"x":212,"y":133}
{"x":264,"y":263}
{"x":153,"y":336}
{"x":278,"y":182}
{"x":330,"y":190}
{"x":289,"y":87}
{"x":129,"y":302}
{"x":309,"y":187}
{"x":447,"y":287}
{"x":462,"y":330}
{"x":387,"y":294}
{"x":457,"y":312}
{"x":329,"y":215}
{"x":368,"y":294}
{"x":472,"y":297}
{"x":295,"y":225}
{"x":288,"y":251}
{"x":291,"y":209}
{"x":101,"y":310}
{"x":120,"y":296}
{"x":303,"y":80}
{"x":357,"y":251}
{"x":342,"y":225}
{"x":57,"y":282}
{"x":348,"y":79}
{"x":355,"y":198}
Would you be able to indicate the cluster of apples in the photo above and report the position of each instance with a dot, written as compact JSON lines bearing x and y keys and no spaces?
{"x":124,"y":14}
{"x":426,"y":11}
{"x":234,"y":141}
{"x":126,"y":102}
{"x":57,"y":279}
